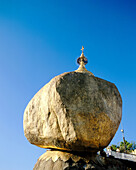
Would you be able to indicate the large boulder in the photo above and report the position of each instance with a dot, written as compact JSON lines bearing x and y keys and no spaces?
{"x":74,"y":111}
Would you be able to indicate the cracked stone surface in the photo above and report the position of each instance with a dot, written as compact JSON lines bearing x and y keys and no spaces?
{"x":74,"y":111}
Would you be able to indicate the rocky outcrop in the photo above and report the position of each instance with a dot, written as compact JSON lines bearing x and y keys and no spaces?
{"x":56,"y":160}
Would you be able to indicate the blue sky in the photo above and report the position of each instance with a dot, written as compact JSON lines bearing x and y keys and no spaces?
{"x":41,"y":39}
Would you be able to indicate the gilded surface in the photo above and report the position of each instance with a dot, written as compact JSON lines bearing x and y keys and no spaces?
{"x":65,"y":156}
{"x":74,"y":111}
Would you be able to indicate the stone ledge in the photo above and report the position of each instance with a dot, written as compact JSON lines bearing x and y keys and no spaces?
{"x":57,"y":160}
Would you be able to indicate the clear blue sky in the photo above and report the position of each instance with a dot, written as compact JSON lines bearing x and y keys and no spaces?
{"x":40,"y":39}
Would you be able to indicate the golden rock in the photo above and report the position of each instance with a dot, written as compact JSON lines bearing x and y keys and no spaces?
{"x":74,"y":111}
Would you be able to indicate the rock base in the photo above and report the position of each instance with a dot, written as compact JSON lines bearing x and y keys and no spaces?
{"x":59,"y":160}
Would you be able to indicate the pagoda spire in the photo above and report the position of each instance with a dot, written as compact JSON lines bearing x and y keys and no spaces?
{"x":82,"y":61}
{"x":82,"y":49}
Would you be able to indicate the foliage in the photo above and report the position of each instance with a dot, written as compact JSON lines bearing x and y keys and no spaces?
{"x":128,"y":147}
{"x":114,"y":147}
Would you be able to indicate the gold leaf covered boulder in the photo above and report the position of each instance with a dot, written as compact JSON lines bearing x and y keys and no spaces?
{"x":75,"y":111}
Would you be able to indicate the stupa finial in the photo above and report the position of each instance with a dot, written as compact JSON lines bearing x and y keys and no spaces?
{"x":82,"y":49}
{"x":82,"y":61}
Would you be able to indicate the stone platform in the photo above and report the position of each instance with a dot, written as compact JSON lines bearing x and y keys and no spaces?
{"x":60,"y":160}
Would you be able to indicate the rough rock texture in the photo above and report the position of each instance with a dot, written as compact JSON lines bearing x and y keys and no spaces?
{"x":74,"y":111}
{"x":54,"y":155}
{"x":96,"y":163}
